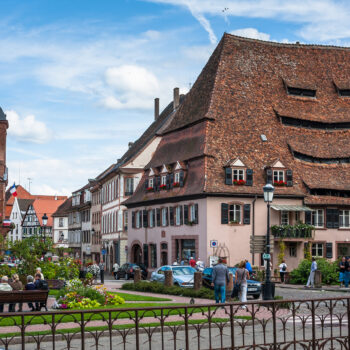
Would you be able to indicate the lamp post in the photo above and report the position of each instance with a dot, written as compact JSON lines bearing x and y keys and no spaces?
{"x":44,"y":220}
{"x":268,"y":288}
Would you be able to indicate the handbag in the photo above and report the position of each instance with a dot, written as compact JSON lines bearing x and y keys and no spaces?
{"x":235,"y":290}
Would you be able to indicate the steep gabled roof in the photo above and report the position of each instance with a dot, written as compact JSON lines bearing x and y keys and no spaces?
{"x":24,"y":203}
{"x":48,"y":207}
{"x":64,"y":208}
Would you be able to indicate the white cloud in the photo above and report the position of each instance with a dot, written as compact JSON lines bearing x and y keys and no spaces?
{"x":320,"y":20}
{"x":251,"y":33}
{"x":27,"y":129}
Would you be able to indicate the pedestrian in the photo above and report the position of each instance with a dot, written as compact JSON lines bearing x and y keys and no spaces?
{"x":30,"y":286}
{"x":192,"y":262}
{"x":115,"y":269}
{"x":38,"y":270}
{"x":241,"y":277}
{"x":248,"y":266}
{"x":347,"y":272}
{"x":16,"y":284}
{"x":311,"y":279}
{"x":220,"y":277}
{"x":283,"y":270}
{"x":4,"y":287}
{"x":342,"y":271}
{"x":102,"y":271}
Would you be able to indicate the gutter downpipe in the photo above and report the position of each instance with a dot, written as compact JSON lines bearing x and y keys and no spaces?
{"x":253,"y":230}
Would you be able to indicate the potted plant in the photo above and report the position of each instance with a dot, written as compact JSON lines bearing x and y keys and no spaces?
{"x":149,"y":189}
{"x":279,"y":183}
{"x":162,"y":187}
{"x":176,"y":184}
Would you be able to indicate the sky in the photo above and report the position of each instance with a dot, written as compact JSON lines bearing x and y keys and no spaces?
{"x":79,"y":78}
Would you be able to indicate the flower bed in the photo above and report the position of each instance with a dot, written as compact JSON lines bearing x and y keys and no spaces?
{"x":77,"y":296}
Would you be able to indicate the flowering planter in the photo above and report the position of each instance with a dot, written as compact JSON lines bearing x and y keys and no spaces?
{"x":150,"y":189}
{"x":280,"y":183}
{"x":176,"y":184}
{"x":162,"y":187}
{"x":239,"y":182}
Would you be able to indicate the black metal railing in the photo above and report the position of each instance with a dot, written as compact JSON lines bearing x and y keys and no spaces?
{"x":290,"y":231}
{"x":286,"y":324}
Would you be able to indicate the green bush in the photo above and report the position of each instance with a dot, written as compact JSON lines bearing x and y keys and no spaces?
{"x":155,"y":287}
{"x":329,"y":271}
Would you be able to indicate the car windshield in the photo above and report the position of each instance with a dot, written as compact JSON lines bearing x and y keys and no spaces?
{"x":182,"y":270}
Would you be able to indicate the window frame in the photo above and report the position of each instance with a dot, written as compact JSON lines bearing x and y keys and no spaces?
{"x":283,"y":212}
{"x":278,"y":172}
{"x":151,"y":223}
{"x":164,"y":223}
{"x":234,"y":211}
{"x":151,"y":182}
{"x":126,"y":180}
{"x":163,"y":180}
{"x":240,"y":174}
{"x":318,"y":245}
{"x":176,"y":177}
{"x":177,"y":214}
{"x":342,"y":215}
{"x":138,"y":218}
{"x":315,"y":214}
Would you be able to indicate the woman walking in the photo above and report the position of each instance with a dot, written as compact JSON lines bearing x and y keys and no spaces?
{"x":242,"y":274}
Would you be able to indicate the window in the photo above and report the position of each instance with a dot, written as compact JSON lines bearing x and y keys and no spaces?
{"x":129,"y":186}
{"x":163,"y":180}
{"x":284,"y":217}
{"x":234,"y":212}
{"x":238,"y":174}
{"x":164,"y":216}
{"x":138,"y":218}
{"x":344,"y":221}
{"x":193,"y":213}
{"x":301,"y":92}
{"x":177,"y":177}
{"x":292,"y":250}
{"x":150,"y":182}
{"x":318,"y":218}
{"x":151,"y":218}
{"x":125,"y":220}
{"x":278,"y":175}
{"x":153,"y":255}
{"x":317,"y":250}
{"x":296,"y":216}
{"x":344,"y":92}
{"x":178,"y":216}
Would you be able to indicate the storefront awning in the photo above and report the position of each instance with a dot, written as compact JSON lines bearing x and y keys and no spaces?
{"x":286,"y":207}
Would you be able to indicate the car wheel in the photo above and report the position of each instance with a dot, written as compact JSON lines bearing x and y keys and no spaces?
{"x":127,"y":276}
{"x":256,"y":296}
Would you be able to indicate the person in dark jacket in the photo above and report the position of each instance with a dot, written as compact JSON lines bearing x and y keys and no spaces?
{"x":342,"y":271}
{"x":38,"y":285}
{"x":220,"y":278}
{"x":30,"y":286}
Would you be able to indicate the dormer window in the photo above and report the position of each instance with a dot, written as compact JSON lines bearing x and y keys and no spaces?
{"x":163,"y":181}
{"x":278,"y":175}
{"x":237,"y":174}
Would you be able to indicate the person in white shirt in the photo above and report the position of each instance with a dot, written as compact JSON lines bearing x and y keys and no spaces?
{"x":38,"y":270}
{"x":283,"y":270}
{"x":115,"y":269}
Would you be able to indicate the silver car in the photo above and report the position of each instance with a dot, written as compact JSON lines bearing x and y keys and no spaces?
{"x":183,"y":276}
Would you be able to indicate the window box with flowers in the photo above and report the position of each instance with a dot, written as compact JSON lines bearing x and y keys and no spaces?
{"x":234,"y":222}
{"x":191,"y":223}
{"x":162,"y":187}
{"x":239,"y":182}
{"x":176,"y":184}
{"x":149,"y":189}
{"x":280,"y":183}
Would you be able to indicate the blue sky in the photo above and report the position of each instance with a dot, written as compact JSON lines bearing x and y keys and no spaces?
{"x":78,"y":78}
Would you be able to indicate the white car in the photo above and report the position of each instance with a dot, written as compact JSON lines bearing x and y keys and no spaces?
{"x":183,"y":276}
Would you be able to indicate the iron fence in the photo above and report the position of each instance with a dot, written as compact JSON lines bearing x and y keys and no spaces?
{"x":286,"y":324}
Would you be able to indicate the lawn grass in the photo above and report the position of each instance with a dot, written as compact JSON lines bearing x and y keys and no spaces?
{"x":64,"y":318}
{"x":125,"y":326}
{"x":125,"y":296}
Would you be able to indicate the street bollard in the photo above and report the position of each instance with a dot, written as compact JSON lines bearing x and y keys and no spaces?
{"x":318,"y":279}
{"x":168,"y":278}
{"x":137,"y":275}
{"x":229,"y":285}
{"x":197,"y":280}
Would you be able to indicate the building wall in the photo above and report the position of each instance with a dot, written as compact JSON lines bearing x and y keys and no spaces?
{"x":16,"y":218}
{"x":57,"y":229}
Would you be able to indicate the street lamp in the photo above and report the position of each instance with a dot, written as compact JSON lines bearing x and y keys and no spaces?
{"x":269,"y":286}
{"x":44,"y":220}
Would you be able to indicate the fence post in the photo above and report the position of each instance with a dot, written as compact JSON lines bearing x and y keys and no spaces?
{"x":137,"y":329}
{"x":82,"y":331}
{"x":137,"y":275}
{"x":186,"y":329}
{"x":23,"y":332}
{"x":197,"y":280}
{"x":168,"y":278}
{"x":313,"y":325}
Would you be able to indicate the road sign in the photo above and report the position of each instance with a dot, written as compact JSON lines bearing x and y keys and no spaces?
{"x":104,"y":252}
{"x":213,"y":243}
{"x":266,"y":256}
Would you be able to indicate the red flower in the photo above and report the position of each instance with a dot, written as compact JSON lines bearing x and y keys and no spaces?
{"x":162,"y":186}
{"x":149,"y":189}
{"x":176,"y":184}
{"x":239,"y":182}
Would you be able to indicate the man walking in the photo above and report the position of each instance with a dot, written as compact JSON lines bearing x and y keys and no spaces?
{"x":311,"y":280}
{"x":102,"y":271}
{"x":220,"y":277}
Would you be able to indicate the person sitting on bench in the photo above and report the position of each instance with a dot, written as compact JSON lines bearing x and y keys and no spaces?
{"x":4,"y":287}
{"x":30,"y":286}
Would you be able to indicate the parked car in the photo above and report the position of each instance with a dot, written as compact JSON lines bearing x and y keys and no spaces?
{"x":183,"y":276}
{"x":127,"y":271}
{"x":253,"y":287}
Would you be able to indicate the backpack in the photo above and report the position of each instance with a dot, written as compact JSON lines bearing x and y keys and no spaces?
{"x":284,"y":267}
{"x":44,"y":285}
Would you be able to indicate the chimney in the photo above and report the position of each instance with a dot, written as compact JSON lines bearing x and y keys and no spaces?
{"x":130,"y":144}
{"x":176,"y":98}
{"x":156,"y":108}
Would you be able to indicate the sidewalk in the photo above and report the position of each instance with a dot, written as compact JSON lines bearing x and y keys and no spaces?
{"x":325,"y":288}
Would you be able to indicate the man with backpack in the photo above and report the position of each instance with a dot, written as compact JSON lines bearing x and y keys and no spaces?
{"x":41,"y":285}
{"x":283,"y":270}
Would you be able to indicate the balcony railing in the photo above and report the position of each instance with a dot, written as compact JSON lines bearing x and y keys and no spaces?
{"x":289,"y":231}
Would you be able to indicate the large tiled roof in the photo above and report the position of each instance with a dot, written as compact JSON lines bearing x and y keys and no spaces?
{"x":64,"y":208}
{"x":48,"y":207}
{"x":238,"y":97}
{"x":21,"y":193}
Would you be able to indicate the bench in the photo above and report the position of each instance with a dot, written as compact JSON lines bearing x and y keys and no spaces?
{"x":24,"y":296}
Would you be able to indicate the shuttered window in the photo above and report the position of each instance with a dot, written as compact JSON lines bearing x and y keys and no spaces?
{"x":332,"y":218}
{"x":344,"y":218}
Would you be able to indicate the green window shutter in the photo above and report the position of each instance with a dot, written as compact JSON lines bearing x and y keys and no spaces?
{"x":228,"y":176}
{"x":246,"y":214}
{"x":224,"y":213}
